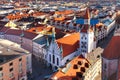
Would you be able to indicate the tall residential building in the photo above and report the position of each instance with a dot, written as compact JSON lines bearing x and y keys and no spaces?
{"x":13,"y":63}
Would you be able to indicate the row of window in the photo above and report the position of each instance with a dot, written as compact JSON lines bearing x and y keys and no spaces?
{"x":10,"y":64}
{"x":83,"y":46}
{"x":83,"y":38}
{"x":84,"y":51}
{"x":11,"y":69}
{"x":52,"y":59}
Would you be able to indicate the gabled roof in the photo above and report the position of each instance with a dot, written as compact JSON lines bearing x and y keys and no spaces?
{"x":26,"y":34}
{"x":69,"y":43}
{"x":86,"y":28}
{"x":11,"y":24}
{"x":112,"y":51}
{"x":29,"y":35}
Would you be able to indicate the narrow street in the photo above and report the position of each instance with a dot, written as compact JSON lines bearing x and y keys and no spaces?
{"x":39,"y":70}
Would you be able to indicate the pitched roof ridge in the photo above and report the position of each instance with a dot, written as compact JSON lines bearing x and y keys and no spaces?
{"x":87,"y":14}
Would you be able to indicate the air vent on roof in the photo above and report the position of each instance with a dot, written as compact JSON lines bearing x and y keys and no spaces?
{"x":86,"y":65}
{"x":79,"y":62}
{"x":75,"y":66}
{"x":82,"y":69}
{"x":79,"y":74}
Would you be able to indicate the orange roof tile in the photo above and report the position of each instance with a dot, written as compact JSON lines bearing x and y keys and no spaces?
{"x":99,"y":24}
{"x":36,"y":29}
{"x":65,"y":12}
{"x":59,"y":18}
{"x":76,"y":65}
{"x":69,"y":43}
{"x":112,"y":51}
{"x":35,"y":14}
{"x":17,"y":16}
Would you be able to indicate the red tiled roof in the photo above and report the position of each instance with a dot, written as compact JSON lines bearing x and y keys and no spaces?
{"x":69,"y":43}
{"x":59,"y":18}
{"x":65,"y":12}
{"x":17,"y":16}
{"x":112,"y":51}
{"x":71,"y":73}
{"x":35,"y":29}
{"x":14,"y":32}
{"x":99,"y":25}
{"x":35,"y":14}
{"x":29,"y":35}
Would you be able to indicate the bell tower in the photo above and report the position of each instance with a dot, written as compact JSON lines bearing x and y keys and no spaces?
{"x":86,"y":35}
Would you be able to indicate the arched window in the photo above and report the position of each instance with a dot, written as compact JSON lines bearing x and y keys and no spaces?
{"x":53,"y":58}
{"x":57,"y":61}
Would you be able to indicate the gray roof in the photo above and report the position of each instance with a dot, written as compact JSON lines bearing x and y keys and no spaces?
{"x":8,"y":54}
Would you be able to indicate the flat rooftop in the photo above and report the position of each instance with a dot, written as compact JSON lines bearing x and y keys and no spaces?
{"x":10,"y":52}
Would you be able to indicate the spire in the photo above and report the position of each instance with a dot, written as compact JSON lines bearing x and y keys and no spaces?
{"x":53,"y":34}
{"x":87,"y":14}
{"x":47,"y":42}
{"x":61,"y":49}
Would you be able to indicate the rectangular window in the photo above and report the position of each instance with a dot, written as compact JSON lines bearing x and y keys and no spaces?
{"x":1,"y":68}
{"x":1,"y":74}
{"x":11,"y":69}
{"x":11,"y":64}
{"x":20,"y":67}
{"x":49,"y":57}
{"x":20,"y":59}
{"x":11,"y":75}
{"x":54,"y":59}
{"x":58,"y":61}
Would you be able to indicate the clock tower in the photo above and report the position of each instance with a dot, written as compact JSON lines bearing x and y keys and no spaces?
{"x":86,"y":35}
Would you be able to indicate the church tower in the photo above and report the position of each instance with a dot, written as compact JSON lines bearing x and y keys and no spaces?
{"x":86,"y":35}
